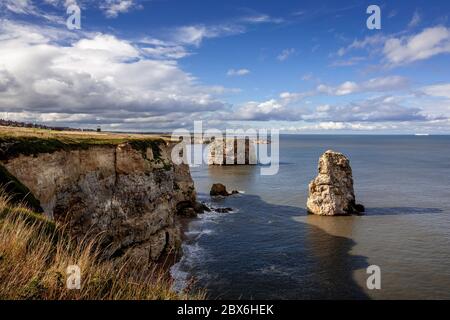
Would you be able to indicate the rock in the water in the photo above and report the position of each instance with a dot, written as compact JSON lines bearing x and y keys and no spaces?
{"x":331,"y":192}
{"x":223,"y":210}
{"x":219,"y":189}
{"x":359,"y":208}
{"x":200,"y":207}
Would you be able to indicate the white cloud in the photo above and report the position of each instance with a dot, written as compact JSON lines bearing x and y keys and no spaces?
{"x":428,"y":43}
{"x":415,"y":20}
{"x":285,"y":54}
{"x":166,"y":52}
{"x":19,"y":6}
{"x":261,"y":18}
{"x":379,"y":109}
{"x":159,"y":49}
{"x":112,"y":8}
{"x":97,"y":79}
{"x":399,"y":50}
{"x":381,"y":84}
{"x":237,"y":72}
{"x":262,"y":111}
{"x":439,"y":90}
{"x":195,"y":34}
{"x":368,"y":42}
{"x":26,"y":7}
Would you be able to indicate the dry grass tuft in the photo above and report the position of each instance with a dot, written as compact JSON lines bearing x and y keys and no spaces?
{"x":35,"y":254}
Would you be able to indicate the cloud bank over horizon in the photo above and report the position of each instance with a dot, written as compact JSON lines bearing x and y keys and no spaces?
{"x":169,"y":77}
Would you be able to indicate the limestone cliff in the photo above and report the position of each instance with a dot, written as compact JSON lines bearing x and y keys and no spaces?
{"x":128,"y":192}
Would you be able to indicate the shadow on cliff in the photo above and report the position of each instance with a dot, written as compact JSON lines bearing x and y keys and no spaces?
{"x":263,"y":251}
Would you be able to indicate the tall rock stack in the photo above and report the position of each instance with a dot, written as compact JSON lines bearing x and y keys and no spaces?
{"x":331,"y":192}
{"x":232,"y":151}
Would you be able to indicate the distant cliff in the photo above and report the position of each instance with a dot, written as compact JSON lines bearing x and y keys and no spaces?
{"x":127,"y":191}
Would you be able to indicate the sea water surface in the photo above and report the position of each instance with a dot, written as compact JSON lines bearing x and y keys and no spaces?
{"x":269,"y":248}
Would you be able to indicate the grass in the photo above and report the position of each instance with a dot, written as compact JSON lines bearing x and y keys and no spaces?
{"x":143,"y":145}
{"x":30,"y":142}
{"x":35,"y":254}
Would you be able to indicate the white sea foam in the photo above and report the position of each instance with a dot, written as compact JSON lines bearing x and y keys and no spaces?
{"x":193,"y":253}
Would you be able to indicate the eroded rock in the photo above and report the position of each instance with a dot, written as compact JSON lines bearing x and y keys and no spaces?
{"x":331,"y":193}
{"x":219,"y":189}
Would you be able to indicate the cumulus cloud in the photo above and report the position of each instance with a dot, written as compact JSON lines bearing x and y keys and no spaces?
{"x":260,"y":110}
{"x":272,"y":109}
{"x":399,"y":50}
{"x":98,"y":78}
{"x":237,"y":72}
{"x":428,"y":43}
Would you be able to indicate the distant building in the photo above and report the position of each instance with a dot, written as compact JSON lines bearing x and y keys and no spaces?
{"x":99,"y":129}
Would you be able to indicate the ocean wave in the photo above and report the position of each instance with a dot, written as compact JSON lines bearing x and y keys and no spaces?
{"x":193,"y":253}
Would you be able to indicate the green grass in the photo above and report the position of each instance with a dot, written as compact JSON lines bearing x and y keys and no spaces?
{"x":14,"y":146}
{"x":142,"y":146}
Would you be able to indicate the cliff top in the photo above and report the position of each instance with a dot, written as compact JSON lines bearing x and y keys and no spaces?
{"x":15,"y":141}
{"x":17,"y":132}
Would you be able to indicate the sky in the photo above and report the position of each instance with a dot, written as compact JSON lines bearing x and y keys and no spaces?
{"x":160,"y":65}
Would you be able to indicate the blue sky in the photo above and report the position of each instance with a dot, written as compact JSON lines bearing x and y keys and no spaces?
{"x":158,"y":65}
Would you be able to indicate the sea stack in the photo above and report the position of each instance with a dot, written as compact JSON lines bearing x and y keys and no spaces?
{"x":331,"y":192}
{"x":232,"y":151}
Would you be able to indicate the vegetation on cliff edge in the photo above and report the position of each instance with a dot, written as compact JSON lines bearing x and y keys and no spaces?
{"x":30,"y":142}
{"x":34,"y":258}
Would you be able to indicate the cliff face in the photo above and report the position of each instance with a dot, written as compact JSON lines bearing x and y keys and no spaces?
{"x":128,"y":194}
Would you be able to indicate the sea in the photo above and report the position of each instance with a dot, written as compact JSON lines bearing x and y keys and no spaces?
{"x":268,"y":247}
